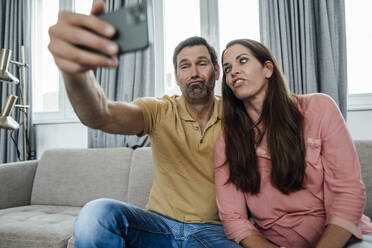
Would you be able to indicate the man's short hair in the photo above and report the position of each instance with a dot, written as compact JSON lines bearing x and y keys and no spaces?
{"x":194,"y":41}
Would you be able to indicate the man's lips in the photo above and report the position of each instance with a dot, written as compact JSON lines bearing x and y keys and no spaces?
{"x":195,"y":83}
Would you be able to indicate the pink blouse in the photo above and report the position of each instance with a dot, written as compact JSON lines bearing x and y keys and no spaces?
{"x":334,"y":192}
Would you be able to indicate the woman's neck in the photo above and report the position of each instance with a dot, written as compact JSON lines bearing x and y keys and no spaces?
{"x":254,"y":106}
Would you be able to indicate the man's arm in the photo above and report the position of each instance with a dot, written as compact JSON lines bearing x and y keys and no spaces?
{"x":334,"y":237}
{"x":86,"y":96}
{"x":253,"y":241}
{"x":95,"y":111}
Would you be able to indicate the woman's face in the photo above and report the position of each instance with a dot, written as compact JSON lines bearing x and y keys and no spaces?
{"x":245,"y":75}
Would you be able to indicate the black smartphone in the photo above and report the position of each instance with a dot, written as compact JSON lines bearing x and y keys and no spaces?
{"x":131,"y":23}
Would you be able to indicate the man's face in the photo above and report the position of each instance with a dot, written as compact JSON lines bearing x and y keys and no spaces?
{"x":195,"y":74}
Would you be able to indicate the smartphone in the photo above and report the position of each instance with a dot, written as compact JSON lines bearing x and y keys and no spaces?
{"x":131,"y":23}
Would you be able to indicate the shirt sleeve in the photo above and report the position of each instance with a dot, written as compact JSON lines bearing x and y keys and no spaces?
{"x":344,"y":191}
{"x":231,"y":202}
{"x":151,"y":110}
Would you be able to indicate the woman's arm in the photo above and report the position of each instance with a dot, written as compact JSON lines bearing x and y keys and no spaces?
{"x":344,"y":192}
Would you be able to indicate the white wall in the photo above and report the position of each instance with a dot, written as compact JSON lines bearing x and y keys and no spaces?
{"x":359,"y":124}
{"x":60,"y":135}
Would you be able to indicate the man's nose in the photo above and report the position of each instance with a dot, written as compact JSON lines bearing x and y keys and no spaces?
{"x":194,"y":71}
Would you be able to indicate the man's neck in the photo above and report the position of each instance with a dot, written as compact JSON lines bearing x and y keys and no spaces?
{"x":201,"y":112}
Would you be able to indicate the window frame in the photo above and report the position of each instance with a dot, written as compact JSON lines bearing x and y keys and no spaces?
{"x":65,"y":113}
{"x":157,"y":27}
{"x":210,"y":29}
{"x":359,"y":102}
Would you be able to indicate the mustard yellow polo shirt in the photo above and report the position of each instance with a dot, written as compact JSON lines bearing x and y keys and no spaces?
{"x":183,"y":187}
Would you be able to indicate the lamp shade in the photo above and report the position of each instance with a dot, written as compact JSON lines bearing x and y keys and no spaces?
{"x":6,"y":121}
{"x":4,"y":63}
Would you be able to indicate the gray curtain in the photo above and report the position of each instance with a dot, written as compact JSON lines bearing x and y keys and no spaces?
{"x":308,"y":39}
{"x":15,"y":30}
{"x":132,"y":79}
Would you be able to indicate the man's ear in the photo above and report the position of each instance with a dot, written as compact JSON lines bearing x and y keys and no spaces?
{"x":176,"y":77}
{"x":269,"y":69}
{"x":217,"y":71}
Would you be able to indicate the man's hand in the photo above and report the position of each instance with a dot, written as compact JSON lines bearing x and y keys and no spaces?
{"x":256,"y":241}
{"x":334,"y":237}
{"x":74,"y":30}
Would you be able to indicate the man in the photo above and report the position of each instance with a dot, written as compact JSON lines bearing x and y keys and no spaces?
{"x":183,"y":129}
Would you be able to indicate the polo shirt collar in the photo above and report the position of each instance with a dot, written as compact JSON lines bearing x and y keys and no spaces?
{"x":185,"y":115}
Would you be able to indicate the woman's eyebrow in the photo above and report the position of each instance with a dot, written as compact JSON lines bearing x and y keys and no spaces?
{"x":225,"y":64}
{"x":237,"y":57}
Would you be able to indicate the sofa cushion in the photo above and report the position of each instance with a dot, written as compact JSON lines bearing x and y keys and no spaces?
{"x":364,"y":149}
{"x":73,"y":177}
{"x":141,"y":177}
{"x":37,"y":226}
{"x":71,"y":242}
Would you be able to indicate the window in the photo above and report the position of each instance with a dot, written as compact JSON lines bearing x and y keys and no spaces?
{"x":359,"y":40}
{"x":49,"y":99}
{"x":238,"y":22}
{"x":359,"y":52}
{"x":217,"y":21}
{"x":46,"y":75}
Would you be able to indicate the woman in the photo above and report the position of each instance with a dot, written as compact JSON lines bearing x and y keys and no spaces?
{"x":288,"y":158}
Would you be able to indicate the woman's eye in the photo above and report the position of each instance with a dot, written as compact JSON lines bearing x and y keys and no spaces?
{"x":227,"y":69}
{"x":243,"y":60}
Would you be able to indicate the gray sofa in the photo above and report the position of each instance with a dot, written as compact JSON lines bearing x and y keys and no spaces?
{"x":39,"y":200}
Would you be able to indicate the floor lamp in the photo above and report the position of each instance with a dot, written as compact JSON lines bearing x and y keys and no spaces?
{"x":6,"y":121}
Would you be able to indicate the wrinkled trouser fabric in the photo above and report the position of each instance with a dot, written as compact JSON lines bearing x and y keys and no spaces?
{"x":111,"y":223}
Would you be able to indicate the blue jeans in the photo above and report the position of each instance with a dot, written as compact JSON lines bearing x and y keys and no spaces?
{"x":111,"y":223}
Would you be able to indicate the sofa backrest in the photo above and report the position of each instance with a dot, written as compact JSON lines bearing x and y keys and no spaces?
{"x":74,"y":177}
{"x":140,"y":177}
{"x":364,"y":149}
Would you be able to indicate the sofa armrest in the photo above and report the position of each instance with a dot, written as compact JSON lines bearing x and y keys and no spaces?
{"x":16,"y":180}
{"x":364,"y":149}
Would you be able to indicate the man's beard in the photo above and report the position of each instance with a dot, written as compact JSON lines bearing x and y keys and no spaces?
{"x":198,"y":93}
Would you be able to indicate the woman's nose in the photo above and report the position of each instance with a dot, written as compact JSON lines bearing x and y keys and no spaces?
{"x":234,"y":71}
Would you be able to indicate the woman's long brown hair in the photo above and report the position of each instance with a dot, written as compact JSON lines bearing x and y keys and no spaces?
{"x":283,"y":124}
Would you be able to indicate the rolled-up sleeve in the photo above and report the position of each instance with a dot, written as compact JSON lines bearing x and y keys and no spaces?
{"x":344,"y":191}
{"x":230,"y":201}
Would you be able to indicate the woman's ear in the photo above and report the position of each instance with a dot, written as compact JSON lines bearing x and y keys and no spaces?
{"x":269,"y":69}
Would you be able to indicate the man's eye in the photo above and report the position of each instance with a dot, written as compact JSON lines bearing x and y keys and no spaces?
{"x":184,"y":66}
{"x":227,"y":69}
